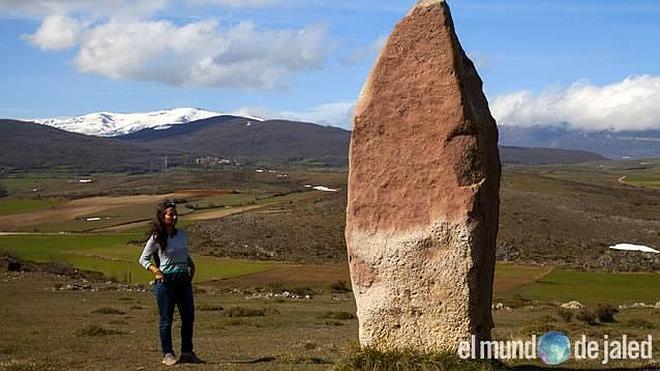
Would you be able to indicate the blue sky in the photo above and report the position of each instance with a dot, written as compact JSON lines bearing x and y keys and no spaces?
{"x":591,"y":63}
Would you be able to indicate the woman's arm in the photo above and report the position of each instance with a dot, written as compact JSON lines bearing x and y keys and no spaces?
{"x":145,"y":259}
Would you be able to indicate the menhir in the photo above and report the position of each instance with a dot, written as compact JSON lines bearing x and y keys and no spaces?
{"x":423,"y":193}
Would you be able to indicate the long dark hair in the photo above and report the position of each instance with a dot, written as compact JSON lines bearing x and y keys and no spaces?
{"x":157,"y":228}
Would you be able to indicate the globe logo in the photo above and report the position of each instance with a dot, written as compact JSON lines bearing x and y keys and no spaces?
{"x":554,"y":348}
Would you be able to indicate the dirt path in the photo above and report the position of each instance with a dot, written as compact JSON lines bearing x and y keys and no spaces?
{"x":222,"y":213}
{"x":86,"y":206}
{"x":217,"y":214}
{"x":291,"y":275}
{"x":506,"y":283}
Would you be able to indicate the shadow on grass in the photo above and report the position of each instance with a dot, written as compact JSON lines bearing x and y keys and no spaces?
{"x":555,"y":368}
{"x":399,"y":360}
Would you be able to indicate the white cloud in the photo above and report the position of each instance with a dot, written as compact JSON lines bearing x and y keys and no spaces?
{"x":56,"y":33}
{"x":240,"y":3}
{"x":99,"y":8}
{"x":631,"y":104}
{"x":194,"y":54}
{"x":339,"y":114}
{"x":124,"y":39}
{"x":361,"y":55}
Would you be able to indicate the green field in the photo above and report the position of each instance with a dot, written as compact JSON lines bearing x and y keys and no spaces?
{"x":113,"y":256}
{"x":10,"y":206}
{"x":644,"y":180}
{"x":593,"y":287}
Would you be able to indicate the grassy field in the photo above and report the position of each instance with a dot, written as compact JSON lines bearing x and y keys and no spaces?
{"x":115,"y":257}
{"x":644,"y":173}
{"x":552,"y":218}
{"x":644,"y":178}
{"x":9,"y":206}
{"x":593,"y":287}
{"x":118,"y":330}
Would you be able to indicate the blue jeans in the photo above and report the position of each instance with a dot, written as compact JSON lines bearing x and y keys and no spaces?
{"x":175,"y":291}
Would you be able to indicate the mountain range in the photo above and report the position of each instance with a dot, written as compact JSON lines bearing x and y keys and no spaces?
{"x":215,"y":141}
{"x":111,"y":124}
{"x":611,"y":144}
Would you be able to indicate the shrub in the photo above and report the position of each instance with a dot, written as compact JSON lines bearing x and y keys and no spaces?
{"x":565,"y":314}
{"x":338,"y":315}
{"x":245,"y":312}
{"x":95,"y":330}
{"x":537,"y":328}
{"x":302,"y":291}
{"x":516,"y":301}
{"x":587,"y":316}
{"x":108,"y":310}
{"x":640,"y":323}
{"x":371,"y":359}
{"x":209,"y":308}
{"x":606,"y":312}
{"x":340,"y":287}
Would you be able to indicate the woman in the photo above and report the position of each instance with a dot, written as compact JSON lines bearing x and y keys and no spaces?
{"x":173,"y":271}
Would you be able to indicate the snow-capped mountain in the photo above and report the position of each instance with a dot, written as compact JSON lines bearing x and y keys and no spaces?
{"x":109,"y":124}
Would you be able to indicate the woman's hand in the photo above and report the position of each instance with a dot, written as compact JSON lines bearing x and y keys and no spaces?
{"x":191,"y":267}
{"x":159,"y":276}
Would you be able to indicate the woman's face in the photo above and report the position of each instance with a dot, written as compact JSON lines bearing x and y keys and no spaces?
{"x":170,"y":216}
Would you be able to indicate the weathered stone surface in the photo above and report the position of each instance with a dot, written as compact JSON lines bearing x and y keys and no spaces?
{"x":423,"y":194}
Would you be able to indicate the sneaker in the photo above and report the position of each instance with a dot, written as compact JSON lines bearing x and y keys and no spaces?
{"x":190,"y":357}
{"x":169,"y":359}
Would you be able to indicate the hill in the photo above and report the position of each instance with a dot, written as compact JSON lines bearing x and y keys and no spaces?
{"x":290,"y":141}
{"x":28,"y":145}
{"x":611,"y":144}
{"x":252,"y":141}
{"x":545,"y":156}
{"x":222,"y":139}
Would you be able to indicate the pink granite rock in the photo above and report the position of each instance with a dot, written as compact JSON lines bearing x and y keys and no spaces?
{"x":423,"y":192}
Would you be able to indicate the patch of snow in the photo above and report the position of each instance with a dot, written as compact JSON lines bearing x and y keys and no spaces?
{"x":93,"y":219}
{"x":325,"y":189}
{"x":572,"y":305}
{"x":109,"y":124}
{"x":308,"y":186}
{"x":259,"y":171}
{"x":84,"y":181}
{"x":631,"y":247}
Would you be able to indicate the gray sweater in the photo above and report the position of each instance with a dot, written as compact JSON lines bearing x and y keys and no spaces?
{"x":174,"y":259}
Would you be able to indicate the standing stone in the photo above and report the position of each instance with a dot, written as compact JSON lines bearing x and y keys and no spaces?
{"x":423,"y":192}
